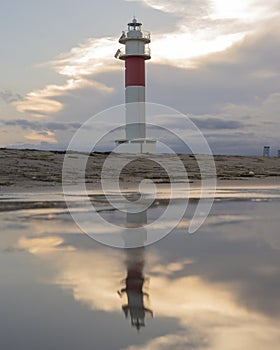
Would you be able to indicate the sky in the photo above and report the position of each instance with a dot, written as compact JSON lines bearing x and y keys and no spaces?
{"x":216,"y":61}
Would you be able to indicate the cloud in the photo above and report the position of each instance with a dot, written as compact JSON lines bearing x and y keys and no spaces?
{"x":248,"y":128}
{"x":42,"y":145}
{"x":206,"y":26}
{"x":246,"y":73}
{"x":39,"y":126}
{"x":214,"y":123}
{"x":95,"y":55}
{"x":192,"y":8}
{"x":10,"y":97}
{"x":231,"y":129}
{"x":45,"y":101}
{"x":203,"y":122}
{"x":41,"y":136}
{"x":45,"y":134}
{"x":266,"y":111}
{"x":215,"y":9}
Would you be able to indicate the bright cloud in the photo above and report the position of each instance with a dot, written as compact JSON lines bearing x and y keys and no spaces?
{"x":195,"y":45}
{"x":93,"y":56}
{"x":43,"y":136}
{"x":178,"y":7}
{"x":239,"y":9}
{"x":42,"y":102}
{"x":205,"y":27}
{"x":214,"y":9}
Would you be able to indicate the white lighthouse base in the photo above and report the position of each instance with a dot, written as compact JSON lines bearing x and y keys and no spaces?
{"x":136,"y":146}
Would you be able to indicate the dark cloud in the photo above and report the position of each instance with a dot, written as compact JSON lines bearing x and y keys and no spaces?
{"x":217,"y":124}
{"x":43,"y":146}
{"x":39,"y":126}
{"x":10,"y":97}
{"x":36,"y":112}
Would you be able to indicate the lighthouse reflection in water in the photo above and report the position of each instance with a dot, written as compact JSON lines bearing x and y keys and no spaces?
{"x":136,"y":284}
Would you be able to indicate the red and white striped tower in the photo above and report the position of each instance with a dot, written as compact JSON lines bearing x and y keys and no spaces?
{"x":136,"y":52}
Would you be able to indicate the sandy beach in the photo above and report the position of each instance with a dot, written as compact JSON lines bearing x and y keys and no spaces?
{"x":33,"y":170}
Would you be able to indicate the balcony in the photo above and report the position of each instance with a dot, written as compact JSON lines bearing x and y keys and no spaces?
{"x":121,"y":54}
{"x":135,"y":34}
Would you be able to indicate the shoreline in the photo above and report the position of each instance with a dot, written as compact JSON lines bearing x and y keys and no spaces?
{"x":241,"y":183}
{"x":53,"y":199}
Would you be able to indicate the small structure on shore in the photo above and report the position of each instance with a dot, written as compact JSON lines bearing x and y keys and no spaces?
{"x":136,"y":52}
{"x":266,"y":151}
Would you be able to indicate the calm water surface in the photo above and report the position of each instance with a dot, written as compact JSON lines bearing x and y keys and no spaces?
{"x":217,"y":289}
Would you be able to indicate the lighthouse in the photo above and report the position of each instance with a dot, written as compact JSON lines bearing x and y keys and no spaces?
{"x":135,"y":53}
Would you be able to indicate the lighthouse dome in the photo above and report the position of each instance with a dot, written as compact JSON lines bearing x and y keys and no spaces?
{"x":134,"y":25}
